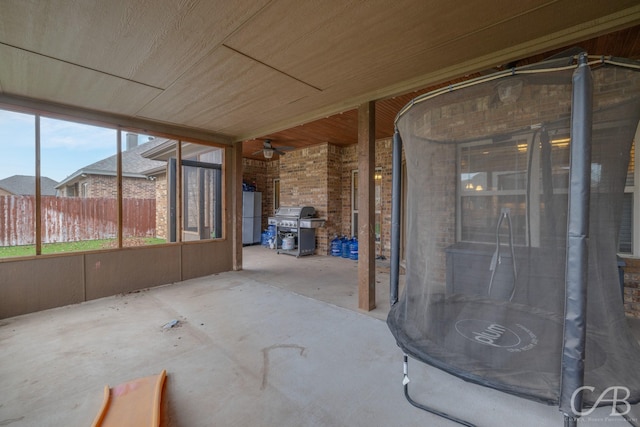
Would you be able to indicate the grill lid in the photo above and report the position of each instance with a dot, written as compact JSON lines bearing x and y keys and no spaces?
{"x":296,"y":211}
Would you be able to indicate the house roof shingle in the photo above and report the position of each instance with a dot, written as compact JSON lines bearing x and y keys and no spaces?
{"x":25,"y":185}
{"x":133,"y":163}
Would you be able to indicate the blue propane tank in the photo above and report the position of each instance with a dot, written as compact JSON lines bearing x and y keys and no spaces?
{"x":354,"y":249}
{"x":336,"y":246}
{"x":346,"y":247}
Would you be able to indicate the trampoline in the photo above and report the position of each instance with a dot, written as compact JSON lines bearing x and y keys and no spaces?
{"x":515,"y":185}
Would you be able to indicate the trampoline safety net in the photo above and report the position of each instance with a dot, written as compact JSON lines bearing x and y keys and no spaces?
{"x":487,"y":218}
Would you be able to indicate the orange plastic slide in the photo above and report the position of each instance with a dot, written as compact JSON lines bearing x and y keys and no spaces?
{"x":132,"y":404}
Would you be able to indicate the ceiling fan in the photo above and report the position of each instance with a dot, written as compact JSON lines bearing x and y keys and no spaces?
{"x":268,"y":149}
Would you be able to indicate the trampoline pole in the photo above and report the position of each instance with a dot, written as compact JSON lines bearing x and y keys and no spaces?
{"x":574,"y":342}
{"x":570,"y":421}
{"x":396,"y":200}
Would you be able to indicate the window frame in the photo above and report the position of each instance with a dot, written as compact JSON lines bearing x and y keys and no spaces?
{"x":634,"y":190}
{"x":532,"y":190}
{"x":276,"y":194}
{"x":215,"y":231}
{"x":55,"y":112}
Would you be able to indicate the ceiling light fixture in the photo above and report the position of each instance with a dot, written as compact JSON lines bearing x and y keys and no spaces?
{"x":267,"y":149}
{"x":268,"y":152}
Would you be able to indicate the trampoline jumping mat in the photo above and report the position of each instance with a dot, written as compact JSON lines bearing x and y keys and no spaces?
{"x":499,"y":344}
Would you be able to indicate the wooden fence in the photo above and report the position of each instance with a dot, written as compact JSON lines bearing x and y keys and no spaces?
{"x":70,"y":219}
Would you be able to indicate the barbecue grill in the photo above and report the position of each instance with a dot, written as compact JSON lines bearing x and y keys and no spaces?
{"x":296,"y":229}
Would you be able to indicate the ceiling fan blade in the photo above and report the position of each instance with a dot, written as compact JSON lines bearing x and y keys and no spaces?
{"x":267,"y":145}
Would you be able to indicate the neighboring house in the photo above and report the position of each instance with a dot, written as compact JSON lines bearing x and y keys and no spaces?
{"x":25,"y":185}
{"x":99,"y":179}
{"x":201,"y":190}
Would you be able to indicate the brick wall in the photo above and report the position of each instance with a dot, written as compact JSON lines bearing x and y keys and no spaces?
{"x":384,"y":152}
{"x":334,"y":224}
{"x":106,"y":186}
{"x":162,"y":206}
{"x":632,"y":287}
{"x":349,"y":164}
{"x":383,"y":155}
{"x":308,"y":177}
{"x":261,"y":173}
{"x":136,"y":188}
{"x":481,"y":116}
{"x":255,"y":172}
{"x":320,"y":176}
{"x":303,"y":182}
{"x":330,"y":179}
{"x":100,"y":186}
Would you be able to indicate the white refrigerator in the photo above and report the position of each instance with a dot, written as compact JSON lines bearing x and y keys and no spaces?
{"x":251,"y":217}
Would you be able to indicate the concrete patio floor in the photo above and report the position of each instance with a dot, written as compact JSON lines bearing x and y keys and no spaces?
{"x":280,"y":343}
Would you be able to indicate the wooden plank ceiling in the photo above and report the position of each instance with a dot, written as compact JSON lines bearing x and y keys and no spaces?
{"x":342,"y":129}
{"x":289,"y":70}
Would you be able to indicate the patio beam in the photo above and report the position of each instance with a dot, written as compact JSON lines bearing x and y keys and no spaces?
{"x":236,"y":204}
{"x":366,"y":207}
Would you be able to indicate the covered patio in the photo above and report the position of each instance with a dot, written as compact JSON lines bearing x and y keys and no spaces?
{"x":280,"y":343}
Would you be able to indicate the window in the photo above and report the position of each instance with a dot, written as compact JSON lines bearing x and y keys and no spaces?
{"x":377,"y":178}
{"x":79,"y":157}
{"x":102,"y":187}
{"x":202,"y":193}
{"x":628,"y":241}
{"x":144,"y":195}
{"x":520,"y":177}
{"x":494,"y":176}
{"x":17,"y":184}
{"x":276,"y":194}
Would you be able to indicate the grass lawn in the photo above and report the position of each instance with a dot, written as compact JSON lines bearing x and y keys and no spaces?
{"x":82,"y":246}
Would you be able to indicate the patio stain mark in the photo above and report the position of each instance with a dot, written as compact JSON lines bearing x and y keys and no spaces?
{"x":265,"y":359}
{"x":9,"y":421}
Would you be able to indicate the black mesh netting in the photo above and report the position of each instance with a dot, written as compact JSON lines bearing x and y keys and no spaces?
{"x":486,"y":232}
